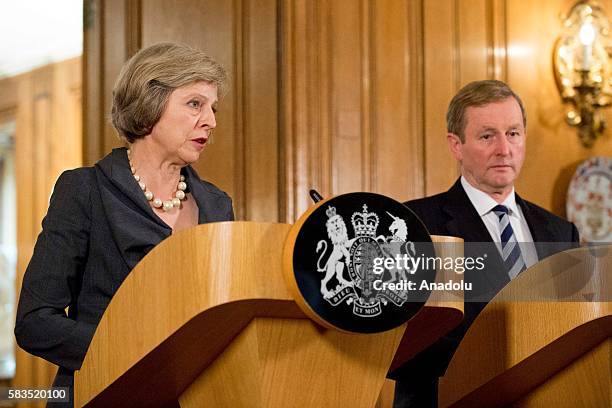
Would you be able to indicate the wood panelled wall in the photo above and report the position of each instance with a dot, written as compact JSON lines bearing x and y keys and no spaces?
{"x":351,"y":99}
{"x":46,"y":106}
{"x":346,"y":95}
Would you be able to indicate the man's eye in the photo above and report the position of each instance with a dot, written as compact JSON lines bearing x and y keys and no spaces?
{"x":194,"y":104}
{"x":486,"y":136}
{"x":514,"y":133}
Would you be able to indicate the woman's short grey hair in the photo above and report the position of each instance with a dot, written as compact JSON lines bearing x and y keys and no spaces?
{"x":148,"y":78}
{"x":477,"y":93}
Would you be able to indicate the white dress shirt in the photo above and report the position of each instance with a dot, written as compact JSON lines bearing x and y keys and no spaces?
{"x":484,"y":205}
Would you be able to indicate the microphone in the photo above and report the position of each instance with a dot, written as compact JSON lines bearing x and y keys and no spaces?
{"x":314,"y":194}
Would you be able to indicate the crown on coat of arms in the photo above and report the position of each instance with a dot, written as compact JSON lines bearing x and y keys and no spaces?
{"x":365,"y":223}
{"x":331,"y":211}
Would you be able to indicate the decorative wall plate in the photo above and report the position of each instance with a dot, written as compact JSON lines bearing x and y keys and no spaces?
{"x":589,"y":200}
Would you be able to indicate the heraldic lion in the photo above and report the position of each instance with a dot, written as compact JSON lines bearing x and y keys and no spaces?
{"x":337,"y":233}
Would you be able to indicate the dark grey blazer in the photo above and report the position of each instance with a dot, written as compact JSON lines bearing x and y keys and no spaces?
{"x":452,"y":213}
{"x":98,"y":227}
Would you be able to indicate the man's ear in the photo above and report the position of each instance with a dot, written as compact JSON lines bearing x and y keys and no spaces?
{"x":455,"y":145}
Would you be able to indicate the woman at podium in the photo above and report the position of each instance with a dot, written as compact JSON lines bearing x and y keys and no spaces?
{"x":103,"y":219}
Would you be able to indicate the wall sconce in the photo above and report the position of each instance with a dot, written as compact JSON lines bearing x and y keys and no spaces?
{"x":583,"y":73}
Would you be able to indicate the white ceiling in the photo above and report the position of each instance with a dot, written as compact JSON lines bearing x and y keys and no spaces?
{"x":37,"y":32}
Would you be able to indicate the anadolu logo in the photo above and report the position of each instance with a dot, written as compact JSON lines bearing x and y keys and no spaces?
{"x":335,"y":267}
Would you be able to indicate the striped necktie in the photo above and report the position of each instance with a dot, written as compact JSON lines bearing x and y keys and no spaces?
{"x":511,"y":251}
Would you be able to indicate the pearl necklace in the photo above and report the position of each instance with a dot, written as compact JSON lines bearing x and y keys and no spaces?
{"x":156,"y":202}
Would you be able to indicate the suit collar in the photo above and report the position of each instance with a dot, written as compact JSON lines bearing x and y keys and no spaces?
{"x":463,"y":219}
{"x":210,"y":202}
{"x":116,"y":168}
{"x":133,"y":225}
{"x":539,"y":227}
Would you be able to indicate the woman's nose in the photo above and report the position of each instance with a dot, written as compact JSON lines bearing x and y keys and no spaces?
{"x":208,"y":118}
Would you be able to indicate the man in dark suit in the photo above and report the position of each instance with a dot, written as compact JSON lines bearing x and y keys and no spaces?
{"x":486,"y":126}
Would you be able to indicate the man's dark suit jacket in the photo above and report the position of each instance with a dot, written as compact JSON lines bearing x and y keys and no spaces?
{"x":452,"y":213}
{"x":98,"y":227}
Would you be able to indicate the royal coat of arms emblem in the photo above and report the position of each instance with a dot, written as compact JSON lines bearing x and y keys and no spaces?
{"x":339,"y":262}
{"x":351,"y":261}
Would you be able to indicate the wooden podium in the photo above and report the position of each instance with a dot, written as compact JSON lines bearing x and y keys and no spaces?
{"x":543,"y":341}
{"x":206,"y":319}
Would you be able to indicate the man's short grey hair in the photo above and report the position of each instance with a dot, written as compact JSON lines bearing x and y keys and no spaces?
{"x":477,"y":93}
